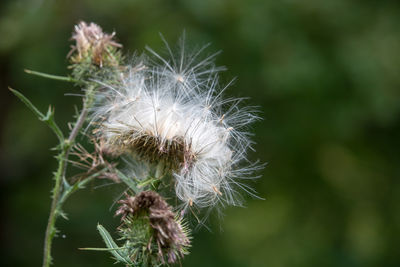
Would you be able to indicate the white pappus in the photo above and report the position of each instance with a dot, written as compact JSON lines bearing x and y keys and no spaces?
{"x":172,"y":110}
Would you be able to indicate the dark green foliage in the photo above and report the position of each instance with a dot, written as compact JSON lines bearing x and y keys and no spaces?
{"x":326,"y":77}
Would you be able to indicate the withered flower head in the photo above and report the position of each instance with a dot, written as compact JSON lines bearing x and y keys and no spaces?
{"x":92,"y":42}
{"x":96,"y":162}
{"x":167,"y":232}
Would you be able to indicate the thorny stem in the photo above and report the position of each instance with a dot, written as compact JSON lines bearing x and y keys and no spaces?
{"x":59,"y":177}
{"x":50,"y":230}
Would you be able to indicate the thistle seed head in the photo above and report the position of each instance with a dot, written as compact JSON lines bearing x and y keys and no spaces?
{"x":171,"y":110}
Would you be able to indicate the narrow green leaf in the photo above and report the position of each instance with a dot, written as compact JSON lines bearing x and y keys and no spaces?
{"x":48,"y":118}
{"x":100,"y":249}
{"x":114,"y":249}
{"x":27,"y":103}
{"x":51,"y":76}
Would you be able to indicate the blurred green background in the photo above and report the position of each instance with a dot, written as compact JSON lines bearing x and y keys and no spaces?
{"x":326,"y":76}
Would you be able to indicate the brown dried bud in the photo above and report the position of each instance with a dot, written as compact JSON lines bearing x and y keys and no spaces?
{"x":169,"y":234}
{"x":94,"y":162}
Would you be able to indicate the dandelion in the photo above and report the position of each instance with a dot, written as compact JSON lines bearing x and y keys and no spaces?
{"x":171,"y":110}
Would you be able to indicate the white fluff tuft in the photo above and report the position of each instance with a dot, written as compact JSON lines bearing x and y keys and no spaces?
{"x":172,"y":110}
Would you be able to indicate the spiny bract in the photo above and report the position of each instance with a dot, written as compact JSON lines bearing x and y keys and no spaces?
{"x":170,"y":110}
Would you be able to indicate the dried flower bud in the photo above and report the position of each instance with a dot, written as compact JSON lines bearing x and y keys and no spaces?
{"x":96,"y":161}
{"x":167,"y":232}
{"x":93,"y":43}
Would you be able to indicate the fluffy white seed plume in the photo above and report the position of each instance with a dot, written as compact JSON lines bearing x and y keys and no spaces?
{"x":171,"y":110}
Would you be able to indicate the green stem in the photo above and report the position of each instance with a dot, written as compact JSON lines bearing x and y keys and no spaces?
{"x":51,"y":230}
{"x":78,"y":185}
{"x":59,"y":177}
{"x":154,"y":181}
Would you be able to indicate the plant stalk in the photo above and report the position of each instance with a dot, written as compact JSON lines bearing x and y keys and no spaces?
{"x":59,"y":177}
